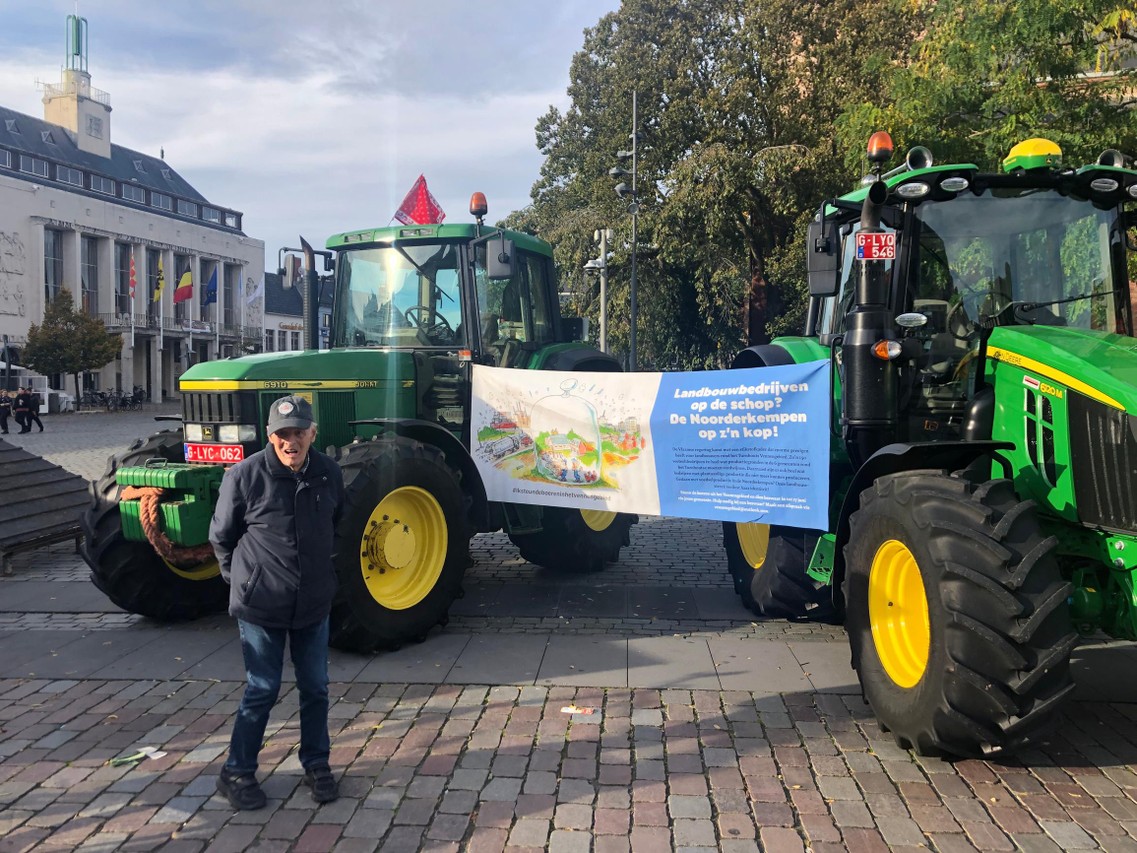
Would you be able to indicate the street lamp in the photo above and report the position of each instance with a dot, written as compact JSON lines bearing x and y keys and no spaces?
{"x":600,"y":265}
{"x":633,"y":208}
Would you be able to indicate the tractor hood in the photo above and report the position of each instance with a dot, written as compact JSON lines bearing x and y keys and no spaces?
{"x":317,"y":369}
{"x":1100,"y":365}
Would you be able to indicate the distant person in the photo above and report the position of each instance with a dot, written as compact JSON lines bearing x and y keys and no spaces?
{"x":273,"y":531}
{"x":34,"y":402}
{"x":5,"y":411}
{"x":22,"y":407}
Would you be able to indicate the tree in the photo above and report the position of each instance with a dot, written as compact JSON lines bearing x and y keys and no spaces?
{"x":69,"y":341}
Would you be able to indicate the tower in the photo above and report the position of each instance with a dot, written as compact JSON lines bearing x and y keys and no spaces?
{"x":85,"y":112}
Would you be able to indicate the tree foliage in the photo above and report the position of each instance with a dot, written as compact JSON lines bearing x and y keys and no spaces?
{"x":752,"y":112}
{"x":69,"y":341}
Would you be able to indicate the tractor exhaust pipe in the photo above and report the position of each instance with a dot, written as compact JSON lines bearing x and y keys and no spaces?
{"x":869,"y":394}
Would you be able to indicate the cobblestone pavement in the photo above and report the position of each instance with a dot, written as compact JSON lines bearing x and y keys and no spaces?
{"x":480,"y":767}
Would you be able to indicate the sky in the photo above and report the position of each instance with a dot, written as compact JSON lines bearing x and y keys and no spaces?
{"x":314,"y":118}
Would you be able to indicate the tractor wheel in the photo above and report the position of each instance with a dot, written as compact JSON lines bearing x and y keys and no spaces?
{"x":402,"y":544}
{"x":576,"y":540}
{"x":956,"y":614}
{"x":132,"y":574}
{"x":768,"y":566}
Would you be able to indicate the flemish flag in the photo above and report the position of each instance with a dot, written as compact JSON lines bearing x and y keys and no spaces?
{"x":161,"y":281}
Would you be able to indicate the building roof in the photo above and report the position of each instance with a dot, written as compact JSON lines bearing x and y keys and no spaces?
{"x":280,"y":299}
{"x":35,"y":137}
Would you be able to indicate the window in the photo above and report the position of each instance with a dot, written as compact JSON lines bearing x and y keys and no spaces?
{"x":122,"y":278}
{"x":231,"y":220}
{"x":5,"y":159}
{"x":187,"y":208}
{"x":102,"y":185}
{"x":33,"y":165}
{"x":89,"y":270}
{"x":140,"y":167}
{"x":130,"y":192}
{"x":162,"y":201}
{"x":52,"y":263}
{"x":270,"y":338}
{"x":166,"y":174}
{"x":282,"y":340}
{"x":211,"y":214}
{"x":228,"y":295}
{"x":10,"y":124}
{"x":46,"y":136}
{"x":295,"y":340}
{"x":68,"y":175}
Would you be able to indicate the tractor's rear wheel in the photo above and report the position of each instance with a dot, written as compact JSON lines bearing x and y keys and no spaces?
{"x":132,"y":574}
{"x":956,"y":614}
{"x":402,"y":544}
{"x":768,"y":564}
{"x":575,"y":540}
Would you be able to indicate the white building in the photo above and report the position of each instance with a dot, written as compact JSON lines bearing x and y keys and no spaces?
{"x":78,"y":212}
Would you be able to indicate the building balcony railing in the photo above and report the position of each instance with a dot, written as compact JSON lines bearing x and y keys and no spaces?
{"x":178,"y":326}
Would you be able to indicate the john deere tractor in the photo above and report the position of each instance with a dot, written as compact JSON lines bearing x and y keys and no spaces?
{"x":983,"y":439}
{"x":415,"y":307}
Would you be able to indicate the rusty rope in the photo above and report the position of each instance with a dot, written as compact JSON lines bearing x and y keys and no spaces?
{"x":149,"y":497}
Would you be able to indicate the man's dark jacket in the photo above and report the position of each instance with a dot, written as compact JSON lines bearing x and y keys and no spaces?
{"x":272,"y":531}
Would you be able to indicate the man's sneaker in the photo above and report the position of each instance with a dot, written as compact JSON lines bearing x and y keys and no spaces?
{"x":323,"y":784}
{"x":243,"y":792}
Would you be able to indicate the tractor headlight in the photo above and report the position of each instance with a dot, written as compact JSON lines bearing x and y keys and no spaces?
{"x":913,"y":189}
{"x":193,"y":432}
{"x":1104,"y":185}
{"x":1132,"y":190}
{"x":234,"y":433}
{"x":955,"y":184}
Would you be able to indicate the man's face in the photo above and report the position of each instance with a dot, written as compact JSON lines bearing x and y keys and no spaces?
{"x":291,"y":445}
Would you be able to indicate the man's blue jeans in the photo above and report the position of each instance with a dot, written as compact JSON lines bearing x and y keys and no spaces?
{"x":263,"y":649}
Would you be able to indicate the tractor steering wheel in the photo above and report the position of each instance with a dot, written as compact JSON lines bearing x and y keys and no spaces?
{"x":989,"y":307}
{"x":438,"y":331}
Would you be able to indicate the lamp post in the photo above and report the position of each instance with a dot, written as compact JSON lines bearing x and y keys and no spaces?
{"x":624,"y":191}
{"x":600,"y":265}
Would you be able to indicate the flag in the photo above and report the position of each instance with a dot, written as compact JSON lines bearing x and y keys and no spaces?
{"x":210,"y":290}
{"x":133,"y":276}
{"x":161,"y":281}
{"x":184,"y":290}
{"x":420,"y":207}
{"x":255,"y":293}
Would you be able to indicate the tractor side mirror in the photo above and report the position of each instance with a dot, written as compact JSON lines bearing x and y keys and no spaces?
{"x":576,"y":328}
{"x":499,"y":259}
{"x":822,"y":256}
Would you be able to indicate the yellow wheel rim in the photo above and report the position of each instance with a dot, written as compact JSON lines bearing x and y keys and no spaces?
{"x":754,"y":540}
{"x":598,"y":519}
{"x":205,"y":571}
{"x":898,"y":613}
{"x":403,"y":548}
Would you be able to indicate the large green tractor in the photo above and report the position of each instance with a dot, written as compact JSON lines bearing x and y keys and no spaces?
{"x":983,"y":440}
{"x":415,"y":307}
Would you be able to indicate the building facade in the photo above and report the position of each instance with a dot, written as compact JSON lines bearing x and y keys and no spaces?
{"x":120,"y":230}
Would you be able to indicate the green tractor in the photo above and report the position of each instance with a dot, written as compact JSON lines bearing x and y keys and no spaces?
{"x":414,"y":307}
{"x":983,"y":440}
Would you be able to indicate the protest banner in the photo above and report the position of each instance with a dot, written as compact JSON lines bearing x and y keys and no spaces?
{"x":741,"y":445}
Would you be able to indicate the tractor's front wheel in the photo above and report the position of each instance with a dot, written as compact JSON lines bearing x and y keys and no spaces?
{"x":956,"y":614}
{"x":576,"y":540}
{"x":402,"y":544}
{"x":767,"y":565}
{"x":132,"y":574}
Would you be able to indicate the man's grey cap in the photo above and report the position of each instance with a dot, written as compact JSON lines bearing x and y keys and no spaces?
{"x":290,"y":413}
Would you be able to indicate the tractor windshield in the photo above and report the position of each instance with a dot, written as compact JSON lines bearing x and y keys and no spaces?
{"x":1019,"y":255}
{"x":403,"y":295}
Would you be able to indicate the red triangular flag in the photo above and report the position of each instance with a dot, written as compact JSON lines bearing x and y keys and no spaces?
{"x":420,"y":207}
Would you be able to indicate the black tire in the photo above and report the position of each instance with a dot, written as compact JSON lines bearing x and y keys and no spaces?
{"x":994,"y":666}
{"x":132,"y":574}
{"x":573,"y":540}
{"x":767,"y":564}
{"x":396,"y":579}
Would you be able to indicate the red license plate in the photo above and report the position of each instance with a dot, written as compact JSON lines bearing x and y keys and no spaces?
{"x":876,"y":247}
{"x":224,"y":454}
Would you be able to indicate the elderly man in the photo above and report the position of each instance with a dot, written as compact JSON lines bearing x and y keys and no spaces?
{"x":273,"y":532}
